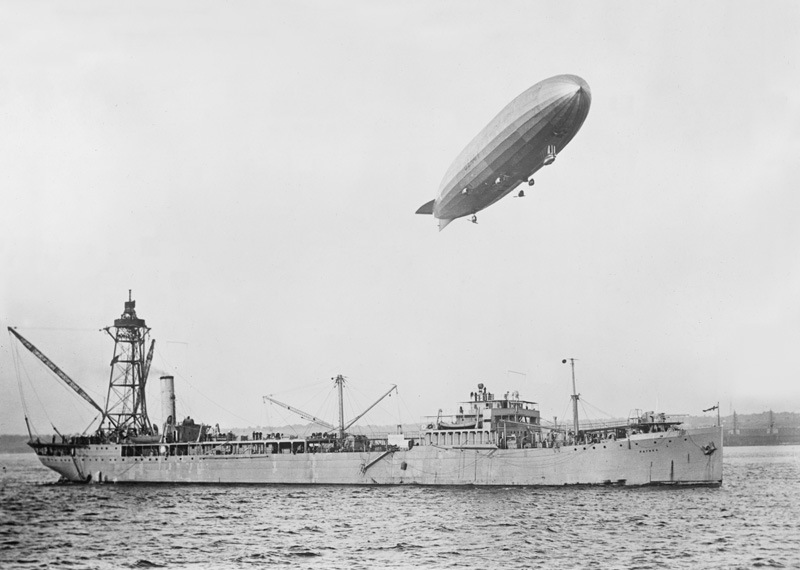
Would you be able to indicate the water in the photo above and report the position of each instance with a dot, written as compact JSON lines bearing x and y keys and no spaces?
{"x":752,"y":521}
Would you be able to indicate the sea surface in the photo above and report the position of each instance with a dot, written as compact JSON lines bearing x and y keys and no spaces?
{"x":751,"y":521}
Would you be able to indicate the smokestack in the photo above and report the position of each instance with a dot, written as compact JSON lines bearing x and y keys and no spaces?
{"x":168,"y":401}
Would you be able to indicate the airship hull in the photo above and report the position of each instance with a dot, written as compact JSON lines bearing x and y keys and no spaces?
{"x":526,"y":135}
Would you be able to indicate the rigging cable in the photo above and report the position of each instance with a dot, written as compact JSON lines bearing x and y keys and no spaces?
{"x":353,"y":413}
{"x":564,"y":415}
{"x":193,"y":387}
{"x":408,"y":411}
{"x":606,"y":414}
{"x":15,"y":358}
{"x":597,"y":409}
{"x":320,"y":413}
{"x":72,"y":329}
{"x":33,"y":388}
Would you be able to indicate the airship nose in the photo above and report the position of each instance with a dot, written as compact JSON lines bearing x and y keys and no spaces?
{"x":572,"y":85}
{"x":583,"y":92}
{"x":572,"y":93}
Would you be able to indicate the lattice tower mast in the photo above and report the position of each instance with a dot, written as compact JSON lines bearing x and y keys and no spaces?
{"x":126,"y":406}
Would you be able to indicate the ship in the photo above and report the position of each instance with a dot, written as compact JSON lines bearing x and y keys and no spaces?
{"x":492,"y":440}
{"x":761,"y":432}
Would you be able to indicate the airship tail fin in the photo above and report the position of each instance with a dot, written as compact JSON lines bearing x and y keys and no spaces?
{"x":443,"y":223}
{"x":426,"y":208}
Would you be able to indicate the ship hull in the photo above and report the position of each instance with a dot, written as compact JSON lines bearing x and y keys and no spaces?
{"x":683,"y":457}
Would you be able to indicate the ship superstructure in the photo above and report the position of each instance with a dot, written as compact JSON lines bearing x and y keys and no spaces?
{"x":491,"y":440}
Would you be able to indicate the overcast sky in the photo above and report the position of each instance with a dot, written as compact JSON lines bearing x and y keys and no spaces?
{"x":251,"y":171}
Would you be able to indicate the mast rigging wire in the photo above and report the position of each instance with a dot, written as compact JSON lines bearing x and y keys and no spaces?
{"x":193,"y":387}
{"x":15,"y":358}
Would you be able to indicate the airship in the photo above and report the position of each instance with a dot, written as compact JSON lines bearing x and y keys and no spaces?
{"x":525,"y":136}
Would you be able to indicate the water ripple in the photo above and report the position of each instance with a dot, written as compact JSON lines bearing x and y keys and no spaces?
{"x":752,"y":521}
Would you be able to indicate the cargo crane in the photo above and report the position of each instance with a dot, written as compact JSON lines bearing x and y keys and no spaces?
{"x":305,"y":415}
{"x":339,"y":381}
{"x":57,"y":371}
{"x":125,"y":412}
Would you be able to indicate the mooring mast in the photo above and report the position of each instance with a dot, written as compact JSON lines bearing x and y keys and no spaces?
{"x":126,"y":406}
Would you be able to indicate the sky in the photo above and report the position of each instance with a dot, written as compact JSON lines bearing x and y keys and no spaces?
{"x":251,"y":170}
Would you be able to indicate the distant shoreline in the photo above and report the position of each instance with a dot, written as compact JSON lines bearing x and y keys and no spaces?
{"x":14,"y":444}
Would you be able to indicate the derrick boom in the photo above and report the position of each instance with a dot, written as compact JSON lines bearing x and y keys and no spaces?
{"x":147,"y":362}
{"x":301,"y":413}
{"x":56,"y":370}
{"x":362,"y":414}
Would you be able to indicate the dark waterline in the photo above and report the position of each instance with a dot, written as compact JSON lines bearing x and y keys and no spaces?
{"x":753,"y":520}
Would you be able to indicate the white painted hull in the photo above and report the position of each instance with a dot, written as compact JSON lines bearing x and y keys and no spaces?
{"x":677,"y":457}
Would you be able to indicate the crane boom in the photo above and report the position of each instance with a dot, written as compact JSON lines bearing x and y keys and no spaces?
{"x":58,"y":372}
{"x":145,"y":373}
{"x":301,"y":413}
{"x":147,"y":362}
{"x":362,"y":414}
